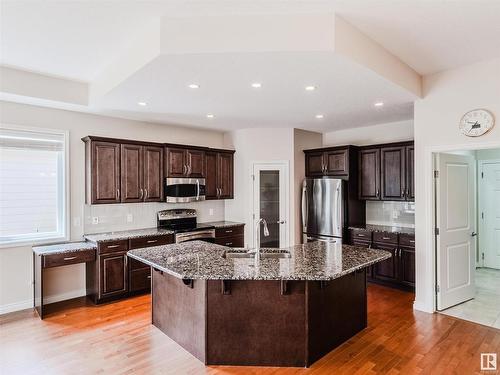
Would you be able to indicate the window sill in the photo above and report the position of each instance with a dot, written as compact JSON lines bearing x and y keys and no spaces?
{"x":33,"y":242}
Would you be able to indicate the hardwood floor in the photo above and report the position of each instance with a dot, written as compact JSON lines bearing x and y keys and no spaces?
{"x":118,"y":339}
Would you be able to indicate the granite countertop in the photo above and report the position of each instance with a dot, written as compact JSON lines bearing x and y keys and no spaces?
{"x":384,"y":228}
{"x":127,"y":234}
{"x":311,"y":261}
{"x":223,"y":224}
{"x":63,"y":248}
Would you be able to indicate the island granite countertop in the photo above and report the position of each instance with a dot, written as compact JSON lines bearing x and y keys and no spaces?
{"x":206,"y":261}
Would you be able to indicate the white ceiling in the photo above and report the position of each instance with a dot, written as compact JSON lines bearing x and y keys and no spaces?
{"x":80,"y":39}
{"x":77,"y":39}
{"x":345,"y":92}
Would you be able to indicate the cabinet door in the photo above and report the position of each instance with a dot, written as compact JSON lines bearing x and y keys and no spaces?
{"x":407,"y":266}
{"x":369,"y":174}
{"x":387,"y":269}
{"x":336,"y":162}
{"x":131,"y":173}
{"x":225,"y":175}
{"x":113,"y":274}
{"x":314,"y":164}
{"x":410,"y":173}
{"x":211,"y":179}
{"x":195,"y":159}
{"x":105,"y":172}
{"x":153,"y":174}
{"x":176,"y":162}
{"x":393,"y":173}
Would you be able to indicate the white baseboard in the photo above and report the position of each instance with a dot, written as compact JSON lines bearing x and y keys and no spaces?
{"x":422,"y":307}
{"x":28,"y":304}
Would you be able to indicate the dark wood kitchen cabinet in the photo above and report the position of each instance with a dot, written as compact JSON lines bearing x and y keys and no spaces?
{"x":393,"y":173}
{"x":369,"y":174}
{"x":123,"y":172}
{"x":386,"y":172}
{"x":113,"y":268}
{"x":233,"y":236}
{"x":387,"y":269}
{"x":220,"y":174}
{"x":185,"y":162}
{"x":103,"y":172}
{"x":331,"y":161}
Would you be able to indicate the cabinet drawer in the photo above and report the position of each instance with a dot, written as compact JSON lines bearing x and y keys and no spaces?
{"x":360,"y":243}
{"x":112,"y":246}
{"x":74,"y":257}
{"x":361,"y":234}
{"x":406,"y":239}
{"x":235,"y":241}
{"x":134,"y":264}
{"x":137,"y":243}
{"x":140,"y":280}
{"x":385,"y":237}
{"x":229,"y":231}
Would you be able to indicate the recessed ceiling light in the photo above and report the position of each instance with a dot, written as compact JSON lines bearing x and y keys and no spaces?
{"x":320,"y":116}
{"x":210,"y":115}
{"x":379,"y":104}
{"x":142,"y":104}
{"x":256,"y":85}
{"x":310,"y":88}
{"x":194,"y":86}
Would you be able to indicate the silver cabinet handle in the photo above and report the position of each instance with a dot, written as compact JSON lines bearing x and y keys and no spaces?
{"x":112,"y":246}
{"x":386,"y":238}
{"x":229,"y":243}
{"x":145,"y":194}
{"x":152,"y":241}
{"x":69,"y":258}
{"x":184,"y":169}
{"x":142,"y":193}
{"x":229,"y":231}
{"x":189,"y":168}
{"x":149,"y":276}
{"x":197,"y":189}
{"x":117,"y":193}
{"x":412,"y":241}
{"x":360,"y":235}
{"x":378,"y":192}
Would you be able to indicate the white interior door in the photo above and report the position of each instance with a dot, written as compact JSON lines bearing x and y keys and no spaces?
{"x":490,"y":214}
{"x":271,"y":186}
{"x":455,"y":219}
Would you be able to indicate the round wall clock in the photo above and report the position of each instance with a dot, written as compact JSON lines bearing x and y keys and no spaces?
{"x":476,"y":122}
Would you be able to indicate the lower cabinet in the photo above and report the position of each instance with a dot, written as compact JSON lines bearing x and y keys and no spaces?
{"x":230,"y":236}
{"x":114,"y":275}
{"x":399,"y":270}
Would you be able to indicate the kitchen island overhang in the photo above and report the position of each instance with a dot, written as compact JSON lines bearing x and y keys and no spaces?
{"x":277,"y":312}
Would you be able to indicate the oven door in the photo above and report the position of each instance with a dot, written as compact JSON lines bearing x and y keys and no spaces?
{"x":207,"y":235}
{"x":182,"y":190}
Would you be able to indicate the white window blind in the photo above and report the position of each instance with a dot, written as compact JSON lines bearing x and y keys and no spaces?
{"x":32,"y":186}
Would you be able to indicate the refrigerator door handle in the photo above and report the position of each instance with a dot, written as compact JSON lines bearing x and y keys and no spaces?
{"x":339,"y":213}
{"x":304,"y":208}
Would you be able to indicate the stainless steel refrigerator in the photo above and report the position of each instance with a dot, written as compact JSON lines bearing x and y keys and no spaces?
{"x":323,"y":209}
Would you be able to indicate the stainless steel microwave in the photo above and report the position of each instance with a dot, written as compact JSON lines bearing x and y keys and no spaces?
{"x":182,"y":190}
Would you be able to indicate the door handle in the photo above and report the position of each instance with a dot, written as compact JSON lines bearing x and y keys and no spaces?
{"x":474,"y":234}
{"x":281,"y":222}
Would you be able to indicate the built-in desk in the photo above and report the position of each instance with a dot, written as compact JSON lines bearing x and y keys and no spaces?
{"x":50,"y":256}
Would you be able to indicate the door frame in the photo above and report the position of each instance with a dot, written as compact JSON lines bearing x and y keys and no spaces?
{"x":425,"y":283}
{"x":271,"y":165}
{"x":480,"y":206}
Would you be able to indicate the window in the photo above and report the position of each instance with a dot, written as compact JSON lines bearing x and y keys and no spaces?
{"x":32,"y":186}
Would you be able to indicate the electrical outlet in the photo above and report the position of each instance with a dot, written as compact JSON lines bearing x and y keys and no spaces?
{"x":95,"y":220}
{"x":130,"y":218}
{"x":211,"y":212}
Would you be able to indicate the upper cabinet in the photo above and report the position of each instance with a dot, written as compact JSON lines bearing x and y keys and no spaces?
{"x":128,"y":171}
{"x":386,"y":172}
{"x":119,"y":172}
{"x":220,"y":176}
{"x":332,"y":161}
{"x":185,"y":162}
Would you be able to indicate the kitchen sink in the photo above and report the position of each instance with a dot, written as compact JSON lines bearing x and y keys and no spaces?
{"x":265,"y":254}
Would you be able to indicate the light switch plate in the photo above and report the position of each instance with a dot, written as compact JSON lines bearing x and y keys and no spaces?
{"x":130,"y":218}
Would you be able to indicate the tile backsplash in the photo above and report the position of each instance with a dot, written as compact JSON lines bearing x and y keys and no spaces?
{"x":116,"y":217}
{"x":399,"y":214}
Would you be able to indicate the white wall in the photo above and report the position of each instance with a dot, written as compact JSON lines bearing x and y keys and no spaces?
{"x":369,"y":135}
{"x":447,"y":96}
{"x":66,"y":282}
{"x":269,"y":144}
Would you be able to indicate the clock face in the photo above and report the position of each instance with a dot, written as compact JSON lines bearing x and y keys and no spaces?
{"x":476,"y":122}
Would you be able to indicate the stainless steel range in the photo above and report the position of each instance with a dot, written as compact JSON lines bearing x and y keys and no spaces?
{"x":185,"y":226}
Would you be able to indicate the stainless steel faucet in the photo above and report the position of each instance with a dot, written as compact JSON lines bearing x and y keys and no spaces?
{"x":257,"y":236}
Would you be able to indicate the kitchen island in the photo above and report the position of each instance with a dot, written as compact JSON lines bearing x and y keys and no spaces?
{"x":288,"y":308}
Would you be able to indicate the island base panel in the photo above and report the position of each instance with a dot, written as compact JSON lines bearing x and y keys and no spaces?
{"x":178,"y":310}
{"x":259,"y":322}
